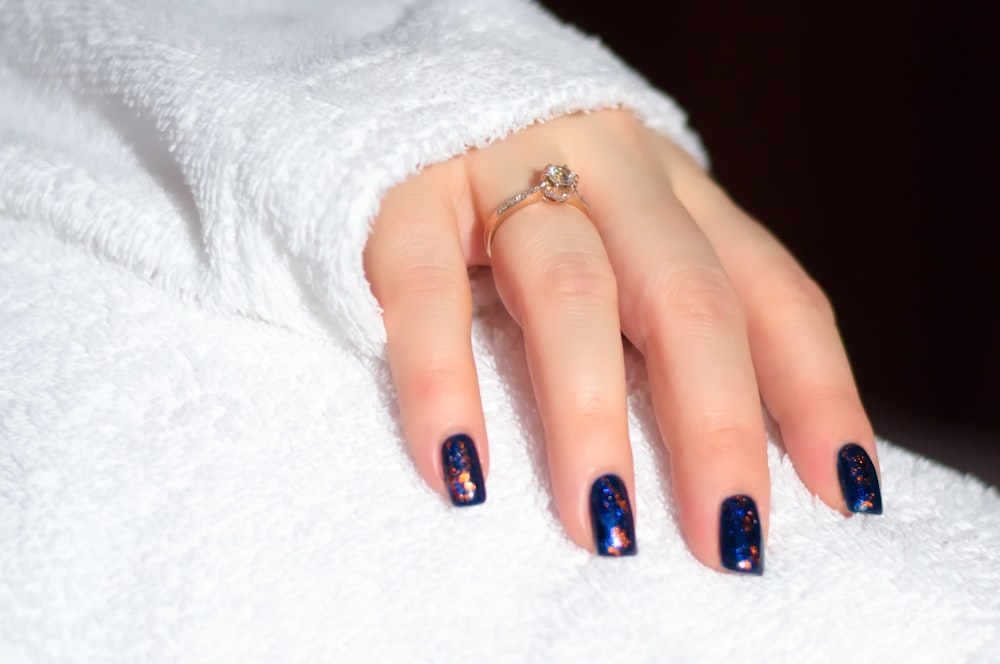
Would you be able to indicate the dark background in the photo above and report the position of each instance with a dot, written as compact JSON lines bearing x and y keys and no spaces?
{"x":866,"y":138}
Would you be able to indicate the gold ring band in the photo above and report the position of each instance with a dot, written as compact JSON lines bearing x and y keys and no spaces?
{"x":558,"y":184}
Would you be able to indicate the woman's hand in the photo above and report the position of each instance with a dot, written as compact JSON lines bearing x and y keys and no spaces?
{"x":721,"y":312}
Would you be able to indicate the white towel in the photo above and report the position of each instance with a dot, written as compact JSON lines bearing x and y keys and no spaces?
{"x":239,"y":155}
{"x":183,"y":480}
{"x":178,"y":485}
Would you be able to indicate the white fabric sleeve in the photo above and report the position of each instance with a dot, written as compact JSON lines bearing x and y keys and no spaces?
{"x":236,"y":153}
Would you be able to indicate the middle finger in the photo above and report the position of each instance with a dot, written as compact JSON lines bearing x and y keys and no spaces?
{"x":679,"y":308}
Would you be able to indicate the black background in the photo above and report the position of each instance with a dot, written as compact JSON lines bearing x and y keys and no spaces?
{"x":866,"y":138}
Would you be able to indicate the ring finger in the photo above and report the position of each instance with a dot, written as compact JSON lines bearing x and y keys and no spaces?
{"x":553,"y":274}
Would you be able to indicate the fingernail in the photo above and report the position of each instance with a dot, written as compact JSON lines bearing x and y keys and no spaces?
{"x":858,"y":480}
{"x":611,"y":514}
{"x":739,"y":536}
{"x":462,"y":473}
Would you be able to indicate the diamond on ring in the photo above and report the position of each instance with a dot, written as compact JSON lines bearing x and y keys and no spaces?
{"x":558,"y":183}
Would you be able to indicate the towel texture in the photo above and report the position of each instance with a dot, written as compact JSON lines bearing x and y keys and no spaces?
{"x":239,"y":155}
{"x":178,"y":485}
{"x":220,"y":477}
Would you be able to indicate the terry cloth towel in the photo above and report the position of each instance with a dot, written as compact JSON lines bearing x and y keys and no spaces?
{"x":182,"y":485}
{"x":197,"y":464}
{"x":239,"y":156}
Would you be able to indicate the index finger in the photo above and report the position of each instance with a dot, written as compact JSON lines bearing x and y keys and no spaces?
{"x":416,"y":266}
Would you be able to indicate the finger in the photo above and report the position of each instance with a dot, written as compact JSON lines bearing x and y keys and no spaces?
{"x":802,"y":368}
{"x":679,"y":308}
{"x":552,"y":272}
{"x":416,"y":267}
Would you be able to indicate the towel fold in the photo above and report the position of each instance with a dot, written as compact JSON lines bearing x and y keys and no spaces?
{"x":238,"y":155}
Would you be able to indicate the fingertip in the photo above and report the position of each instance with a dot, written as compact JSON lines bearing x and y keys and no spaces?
{"x":462,"y":471}
{"x":723,"y":505}
{"x":594,"y":499}
{"x":612,"y":517}
{"x":830,"y":441}
{"x":859,"y":480}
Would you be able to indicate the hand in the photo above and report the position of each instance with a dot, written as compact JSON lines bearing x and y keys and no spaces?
{"x":721,"y":312}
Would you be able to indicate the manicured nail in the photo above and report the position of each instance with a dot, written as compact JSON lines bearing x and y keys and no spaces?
{"x":611,"y":514}
{"x":462,"y":473}
{"x":858,"y":480}
{"x":739,"y":536}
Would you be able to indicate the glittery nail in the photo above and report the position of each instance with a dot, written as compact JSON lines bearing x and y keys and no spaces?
{"x":739,"y":536}
{"x":462,"y":473}
{"x":611,"y":514}
{"x":858,"y":480}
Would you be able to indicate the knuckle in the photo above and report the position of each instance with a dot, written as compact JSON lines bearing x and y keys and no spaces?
{"x":585,"y":412}
{"x":627,"y":130}
{"x":436,"y":377}
{"x":591,"y":406}
{"x":727,"y":439}
{"x":694,"y":296}
{"x":823,"y":393}
{"x":423,"y":282}
{"x":576,"y":276}
{"x":820,"y":394}
{"x":792,"y":293}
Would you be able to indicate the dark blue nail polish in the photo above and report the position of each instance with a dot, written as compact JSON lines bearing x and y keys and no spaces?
{"x":739,"y":536}
{"x":611,"y":514}
{"x":462,"y":473}
{"x":858,"y":480}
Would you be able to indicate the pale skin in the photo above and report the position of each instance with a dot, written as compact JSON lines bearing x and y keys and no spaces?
{"x":722,"y":314}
